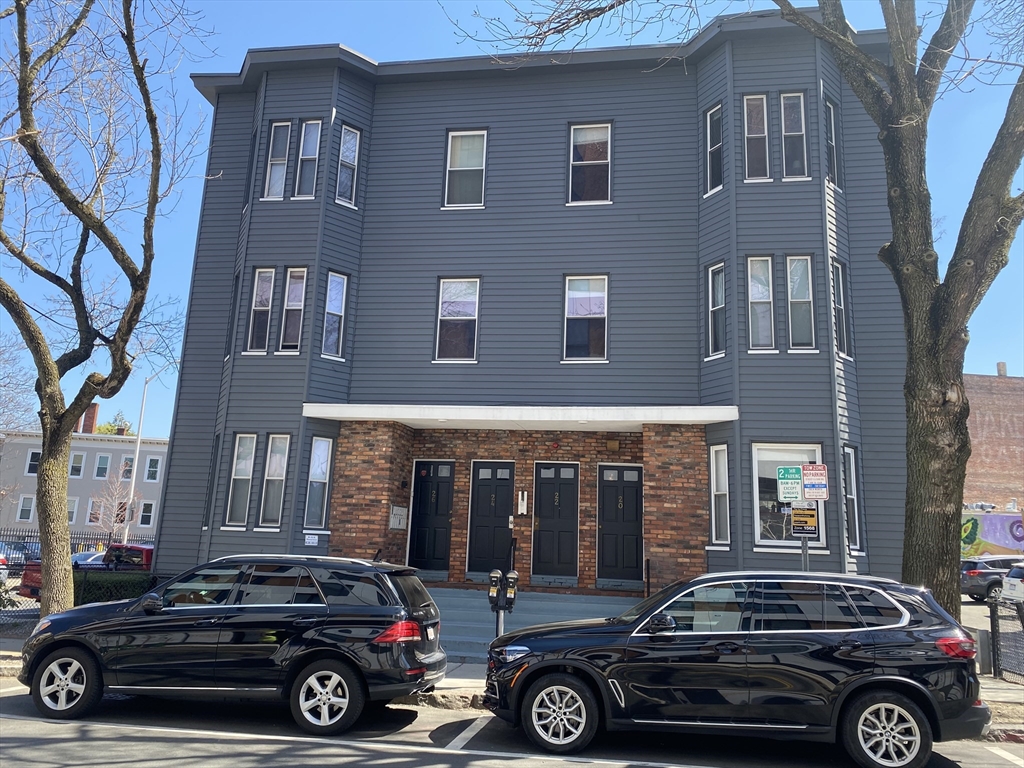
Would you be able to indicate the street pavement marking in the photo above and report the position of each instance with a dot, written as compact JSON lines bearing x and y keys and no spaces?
{"x":18,"y":687}
{"x":474,"y":728}
{"x":1015,"y":759}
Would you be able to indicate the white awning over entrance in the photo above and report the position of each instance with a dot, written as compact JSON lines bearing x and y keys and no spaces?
{"x":525,"y":417}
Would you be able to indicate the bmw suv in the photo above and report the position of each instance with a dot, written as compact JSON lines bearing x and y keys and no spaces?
{"x":327,"y":634}
{"x":873,"y":664}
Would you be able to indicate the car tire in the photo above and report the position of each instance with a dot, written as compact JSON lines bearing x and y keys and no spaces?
{"x":994,"y":592}
{"x":884,"y":729}
{"x":977,"y":598}
{"x":67,"y":684}
{"x":560,"y":714}
{"x":327,"y":697}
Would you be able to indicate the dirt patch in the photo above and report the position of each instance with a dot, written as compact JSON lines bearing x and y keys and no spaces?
{"x":1003,"y":712}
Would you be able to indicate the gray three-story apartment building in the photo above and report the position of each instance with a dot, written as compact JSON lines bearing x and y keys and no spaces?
{"x":588,"y":302}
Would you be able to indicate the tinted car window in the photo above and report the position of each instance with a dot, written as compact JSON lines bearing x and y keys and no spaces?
{"x":839,"y":612}
{"x":207,"y":586}
{"x":874,"y":608}
{"x":274,"y":585}
{"x":968,"y":565}
{"x":306,"y":592}
{"x":342,"y":588}
{"x":411,"y":591}
{"x":790,"y":605}
{"x":1016,"y":573}
{"x":714,"y":608}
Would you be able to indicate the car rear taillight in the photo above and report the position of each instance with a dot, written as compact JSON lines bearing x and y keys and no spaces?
{"x":957,"y":647}
{"x":3,"y":560}
{"x":401,"y":632}
{"x":974,"y":573}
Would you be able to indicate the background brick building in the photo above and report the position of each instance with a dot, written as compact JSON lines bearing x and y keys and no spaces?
{"x":995,"y":473}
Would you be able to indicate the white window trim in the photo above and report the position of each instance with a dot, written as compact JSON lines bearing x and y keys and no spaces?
{"x":266,"y":478}
{"x":159,"y":469}
{"x":708,"y":189}
{"x":327,"y":311}
{"x":718,"y":453}
{"x":285,"y":308}
{"x":271,"y":162}
{"x":565,"y":319}
{"x":72,"y":509}
{"x":476,"y":320}
{"x":354,"y":166}
{"x":96,"y":467}
{"x":232,"y":478}
{"x":711,"y":354}
{"x":851,"y":482}
{"x":125,"y":458}
{"x":771,"y":304}
{"x":326,"y":482}
{"x":152,"y":514}
{"x":572,"y":163}
{"x":81,"y":466}
{"x":839,"y":299}
{"x":88,"y":512}
{"x":771,"y":545}
{"x":249,"y":349}
{"x":802,"y":134}
{"x":31,"y":512}
{"x":831,"y":151}
{"x":448,"y":169}
{"x":809,"y":300}
{"x":315,"y":158}
{"x":28,"y":463}
{"x":747,"y":136}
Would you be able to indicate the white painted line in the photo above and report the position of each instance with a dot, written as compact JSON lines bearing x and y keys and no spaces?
{"x":1015,"y":759}
{"x":474,"y":728}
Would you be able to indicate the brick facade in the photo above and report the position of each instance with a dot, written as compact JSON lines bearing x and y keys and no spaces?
{"x":372,"y":459}
{"x":995,"y":471}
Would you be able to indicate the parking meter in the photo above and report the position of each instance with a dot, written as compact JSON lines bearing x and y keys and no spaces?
{"x":511,"y":584}
{"x":494,"y":591}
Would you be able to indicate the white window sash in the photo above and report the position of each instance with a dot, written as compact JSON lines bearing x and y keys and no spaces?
{"x":290,"y":306}
{"x":809,"y":301}
{"x":474,"y":318}
{"x":149,"y":466}
{"x":482,"y":167}
{"x":802,"y":134}
{"x":231,"y":488}
{"x":21,"y":517}
{"x":573,"y":163}
{"x":770,"y":302}
{"x":94,"y":512}
{"x":719,"y":455}
{"x":253,"y":309}
{"x":321,"y":520}
{"x":566,"y":316}
{"x":709,"y":149}
{"x":818,"y":543}
{"x":72,"y":510}
{"x":305,"y":155}
{"x":340,"y":314}
{"x":143,"y":513}
{"x":106,"y":470}
{"x":273,"y":162}
{"x":80,"y":464}
{"x":342,"y":163}
{"x":830,"y":145}
{"x":267,"y":478}
{"x":851,"y":504}
{"x":712,"y":307}
{"x":127,"y":465}
{"x":28,"y":463}
{"x":747,"y":136}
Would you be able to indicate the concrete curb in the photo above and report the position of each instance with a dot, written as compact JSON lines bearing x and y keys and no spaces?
{"x":457,"y":698}
{"x":1006,"y":734}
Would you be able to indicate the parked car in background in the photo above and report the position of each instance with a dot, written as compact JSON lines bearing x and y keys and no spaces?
{"x":117,"y":557}
{"x":17,"y":553}
{"x":981,"y":578}
{"x":4,"y":572}
{"x":326,"y":634}
{"x":86,"y":558}
{"x":872,"y":664}
{"x":1013,"y":583}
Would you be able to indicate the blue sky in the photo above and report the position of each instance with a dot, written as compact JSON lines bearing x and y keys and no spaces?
{"x":962,"y":128}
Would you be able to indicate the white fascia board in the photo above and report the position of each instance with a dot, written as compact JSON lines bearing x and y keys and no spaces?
{"x":530,"y":417}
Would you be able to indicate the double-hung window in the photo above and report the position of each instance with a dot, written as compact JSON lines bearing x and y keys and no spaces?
{"x":457,"y":311}
{"x":277,"y":160}
{"x":229,"y":337}
{"x":759,"y":294}
{"x":773,"y":519}
{"x":334,"y":315}
{"x":840,"y":304}
{"x":831,"y":154}
{"x":713,"y":149}
{"x":95,"y":514}
{"x":794,"y":143}
{"x":72,"y":510}
{"x":26,"y":506}
{"x":146,"y":514}
{"x":291,"y":319}
{"x":590,"y":164}
{"x":259,"y":322}
{"x":32,"y":467}
{"x":716,"y":310}
{"x":850,"y":497}
{"x":273,"y":480}
{"x":586,"y":318}
{"x":127,"y":467}
{"x":241,"y":480}
{"x":801,"y":311}
{"x":316,"y":492}
{"x":719,"y":494}
{"x":77,"y":465}
{"x":348,"y":166}
{"x":309,"y":151}
{"x":152,"y":469}
{"x":102,"y":466}
{"x":464,"y":184}
{"x":755,"y":131}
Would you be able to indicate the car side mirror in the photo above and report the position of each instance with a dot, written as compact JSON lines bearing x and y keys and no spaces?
{"x":661,"y":622}
{"x":151,"y":603}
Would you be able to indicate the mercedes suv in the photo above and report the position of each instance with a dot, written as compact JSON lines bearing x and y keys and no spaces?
{"x":873,"y":664}
{"x":327,"y":634}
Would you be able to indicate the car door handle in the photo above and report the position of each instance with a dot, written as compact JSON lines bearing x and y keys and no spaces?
{"x":206,"y":622}
{"x":848,"y":645}
{"x":728,"y":648}
{"x":308,"y":622}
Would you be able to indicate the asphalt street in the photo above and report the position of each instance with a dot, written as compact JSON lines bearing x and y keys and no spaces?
{"x":127,"y":730}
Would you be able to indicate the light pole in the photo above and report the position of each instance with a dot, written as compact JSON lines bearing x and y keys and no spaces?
{"x":130,"y":511}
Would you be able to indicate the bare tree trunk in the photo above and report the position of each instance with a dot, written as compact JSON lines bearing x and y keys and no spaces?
{"x":58,"y":587}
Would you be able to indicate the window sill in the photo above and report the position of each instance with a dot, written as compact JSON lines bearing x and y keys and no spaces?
{"x":718,"y":356}
{"x":335,"y":358}
{"x":797,"y":178}
{"x":841,"y":356}
{"x":714,"y":191}
{"x":233,"y":528}
{"x":803,"y":351}
{"x":316,"y":532}
{"x":578,"y":203}
{"x":718,"y":548}
{"x":454,"y":362}
{"x":251,"y":353}
{"x":758,"y":181}
{"x":266,"y":530}
{"x":302,"y":197}
{"x":271,"y":199}
{"x":814,"y":549}
{"x":288,"y":352}
{"x":858,"y":553}
{"x":762,"y":351}
{"x":833,"y":186}
{"x":347,"y":204}
{"x":480,"y":207}
{"x":584,"y":362}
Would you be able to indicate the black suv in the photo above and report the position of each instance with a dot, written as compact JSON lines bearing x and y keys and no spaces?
{"x":870,"y":662}
{"x":326,"y":633}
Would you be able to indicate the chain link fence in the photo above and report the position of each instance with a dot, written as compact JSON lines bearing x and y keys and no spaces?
{"x":1007,"y":619}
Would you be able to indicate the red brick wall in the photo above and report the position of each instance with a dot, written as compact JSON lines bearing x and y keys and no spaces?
{"x":995,"y":472}
{"x":373,"y":458}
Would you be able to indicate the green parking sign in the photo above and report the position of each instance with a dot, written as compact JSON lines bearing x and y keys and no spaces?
{"x":791,"y":484}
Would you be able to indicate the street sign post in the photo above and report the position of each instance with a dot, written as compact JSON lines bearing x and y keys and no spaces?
{"x":790,"y":483}
{"x":804,"y":523}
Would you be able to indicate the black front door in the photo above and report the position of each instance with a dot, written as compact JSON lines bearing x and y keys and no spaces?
{"x":556,"y":521}
{"x":490,"y":516}
{"x":620,"y":524}
{"x":431,"y":515}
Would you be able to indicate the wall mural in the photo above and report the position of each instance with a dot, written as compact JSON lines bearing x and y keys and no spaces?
{"x":992,"y":533}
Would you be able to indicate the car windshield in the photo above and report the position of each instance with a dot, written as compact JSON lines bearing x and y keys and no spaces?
{"x":658,"y":598}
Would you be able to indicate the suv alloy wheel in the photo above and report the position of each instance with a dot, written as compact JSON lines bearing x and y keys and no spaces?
{"x":67,"y":684}
{"x":560,"y":713}
{"x":884,"y":729}
{"x":326,"y":697}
